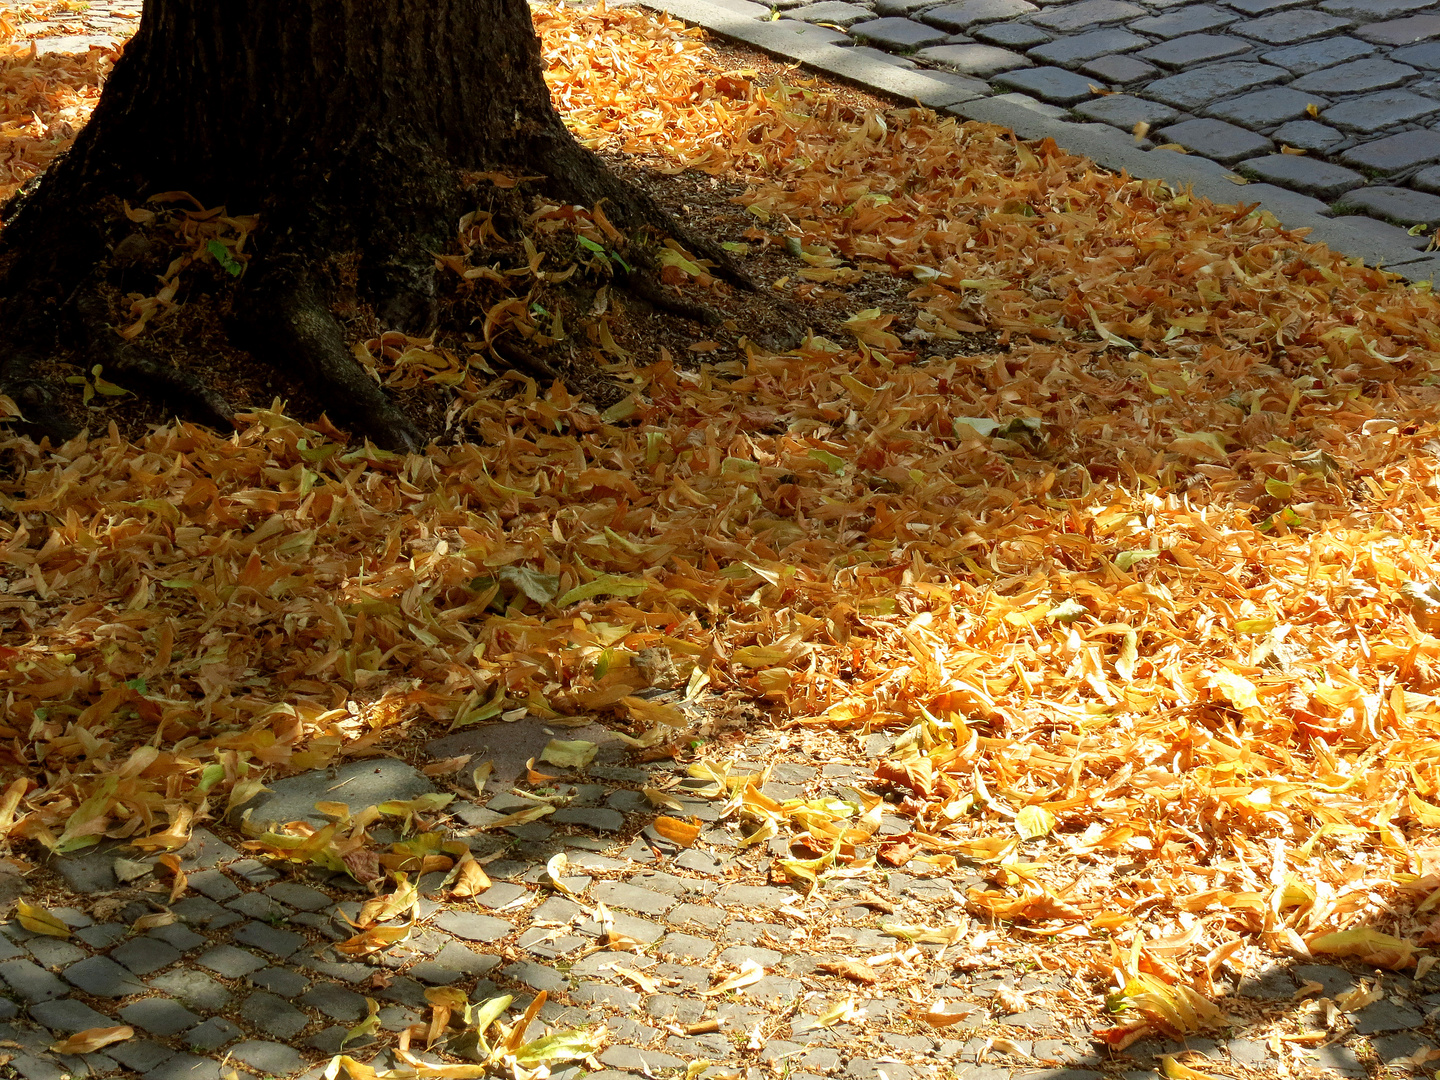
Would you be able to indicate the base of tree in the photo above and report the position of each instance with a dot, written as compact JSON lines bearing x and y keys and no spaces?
{"x":371,"y":249}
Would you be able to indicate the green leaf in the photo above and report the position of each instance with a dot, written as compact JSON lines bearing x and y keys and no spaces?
{"x":233,"y":266}
{"x":575,"y":754}
{"x":1066,"y":612}
{"x":561,"y":1046}
{"x":1126,"y":559}
{"x":604,"y":585}
{"x":210,"y":776}
{"x":829,"y":460}
{"x":1279,"y":489}
{"x":542,"y":588}
{"x":138,"y":685}
{"x":590,"y":245}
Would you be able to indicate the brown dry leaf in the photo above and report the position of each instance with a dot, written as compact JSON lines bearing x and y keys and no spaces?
{"x":92,"y":1039}
{"x":853,"y":970}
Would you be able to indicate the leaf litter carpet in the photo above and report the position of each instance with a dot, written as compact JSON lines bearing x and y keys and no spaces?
{"x":1143,"y":597}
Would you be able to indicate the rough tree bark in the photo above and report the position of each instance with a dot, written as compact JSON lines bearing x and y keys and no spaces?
{"x":349,"y":125}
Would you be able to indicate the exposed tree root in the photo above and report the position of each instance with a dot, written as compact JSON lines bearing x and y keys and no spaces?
{"x":292,"y":325}
{"x":131,"y":363}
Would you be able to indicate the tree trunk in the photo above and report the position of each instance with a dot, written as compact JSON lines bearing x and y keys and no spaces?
{"x":349,"y":125}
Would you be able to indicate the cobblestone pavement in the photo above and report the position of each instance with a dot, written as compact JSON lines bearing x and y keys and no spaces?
{"x":1354,"y":84}
{"x":246,"y":978}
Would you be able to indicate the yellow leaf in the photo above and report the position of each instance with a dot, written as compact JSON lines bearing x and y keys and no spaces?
{"x":575,"y":754}
{"x":676,"y":831}
{"x":1366,"y":945}
{"x":1034,"y":821}
{"x":38,"y":920}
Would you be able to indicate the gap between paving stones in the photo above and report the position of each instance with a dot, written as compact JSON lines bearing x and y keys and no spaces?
{"x":1377,"y":242}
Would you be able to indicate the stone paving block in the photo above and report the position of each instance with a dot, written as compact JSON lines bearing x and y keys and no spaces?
{"x":144,"y":955}
{"x":300,"y":897}
{"x":282,"y":981}
{"x":961,"y":16}
{"x":177,"y":936}
{"x":1356,"y":77}
{"x":680,"y":946}
{"x":1427,"y":180}
{"x":633,"y":1059}
{"x":273,"y":1015}
{"x":1378,"y":243}
{"x":901,"y":35}
{"x":1425,"y":55}
{"x":1405,"y":31}
{"x":978,"y":60}
{"x":835,"y":12}
{"x":500,"y":894}
{"x":102,"y":977}
{"x":605,"y":819}
{"x":1386,"y":1015}
{"x":204,"y":912}
{"x":1200,"y":86}
{"x":598,"y":993}
{"x":1338,"y":1059}
{"x":229,"y":962}
{"x":1395,"y":153}
{"x":1185,"y":52}
{"x":358,"y":785}
{"x":1124,"y":111}
{"x":273,"y":1058}
{"x":1305,"y":174}
{"x":139,"y":1055}
{"x":1009,"y":35}
{"x":1078,"y":48}
{"x":870,"y":1069}
{"x":536,"y":976}
{"x":893,"y":7}
{"x":1187,"y":19}
{"x":709,"y":918}
{"x":336,"y":1002}
{"x":1070,"y":17}
{"x":68,"y":1016}
{"x":472,"y":926}
{"x":754,"y":896}
{"x":1374,"y":10}
{"x":1050,"y":84}
{"x":628,"y":897}
{"x":1264,"y":109}
{"x":1313,"y":55}
{"x":1288,"y":27}
{"x":100,"y":936}
{"x":54,"y":953}
{"x":258,"y":906}
{"x":1263,"y":7}
{"x":212,"y":1034}
{"x":194,"y":988}
{"x":1119,"y":70}
{"x":159,"y":1016}
{"x":31,"y":981}
{"x":1374,"y":112}
{"x":185,"y":1067}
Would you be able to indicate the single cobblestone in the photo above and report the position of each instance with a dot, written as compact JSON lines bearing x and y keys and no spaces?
{"x":300,"y":897}
{"x":68,"y":1016}
{"x":1314,"y":55}
{"x":1289,"y":27}
{"x":1122,"y":111}
{"x":1011,"y":35}
{"x":982,"y":61}
{"x":1426,"y":55}
{"x":1266,"y":108}
{"x":282,"y":981}
{"x":1395,"y":153}
{"x":1185,"y":52}
{"x":210,"y":1035}
{"x":32,"y":982}
{"x":102,"y":977}
{"x":1195,"y":89}
{"x":961,"y":16}
{"x":629,"y":897}
{"x":273,"y":1058}
{"x":1305,"y":174}
{"x":145,"y":955}
{"x":159,"y":1016}
{"x":890,"y":33}
{"x":1073,"y":51}
{"x":472,"y":926}
{"x":273,"y":1015}
{"x":1185,"y":19}
{"x":229,"y":962}
{"x":1405,"y":31}
{"x":194,"y":988}
{"x":1086,"y":14}
{"x":1374,"y":112}
{"x":52,"y":953}
{"x":1120,"y":70}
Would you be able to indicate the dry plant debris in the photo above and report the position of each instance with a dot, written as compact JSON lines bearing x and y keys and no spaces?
{"x":1147,"y":596}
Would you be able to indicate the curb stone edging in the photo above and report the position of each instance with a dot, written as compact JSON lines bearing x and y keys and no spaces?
{"x":1376,"y":242}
